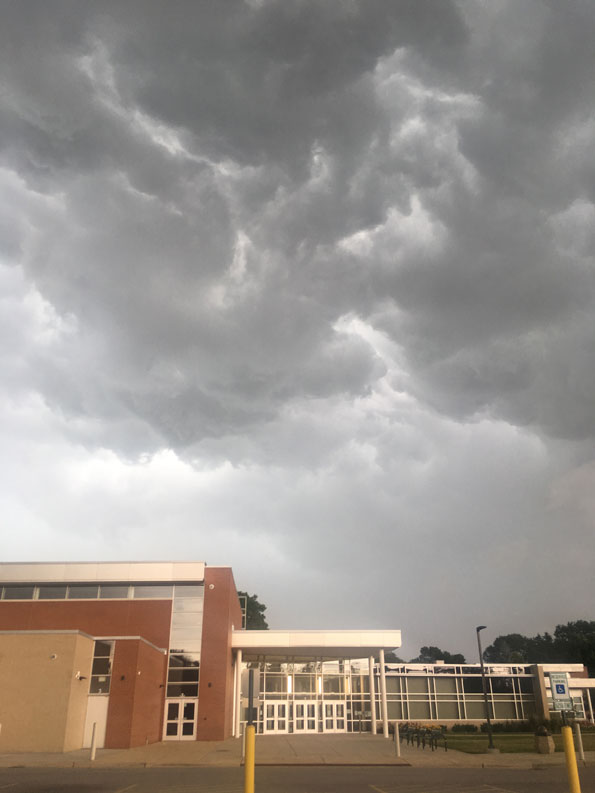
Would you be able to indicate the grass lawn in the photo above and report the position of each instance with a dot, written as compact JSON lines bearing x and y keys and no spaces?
{"x":508,"y":742}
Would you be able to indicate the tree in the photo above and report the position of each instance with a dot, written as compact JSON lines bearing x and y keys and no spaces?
{"x":571,"y":643}
{"x":255,"y":619}
{"x":429,"y":655}
{"x":576,"y":640}
{"x":391,"y":658}
{"x":508,"y":649}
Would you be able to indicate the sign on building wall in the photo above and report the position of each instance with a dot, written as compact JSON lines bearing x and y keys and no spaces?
{"x":561,"y":699}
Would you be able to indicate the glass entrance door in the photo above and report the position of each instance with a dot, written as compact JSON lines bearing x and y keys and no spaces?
{"x":180,"y":719}
{"x":304,"y":717}
{"x":333,"y":717}
{"x":275,"y":717}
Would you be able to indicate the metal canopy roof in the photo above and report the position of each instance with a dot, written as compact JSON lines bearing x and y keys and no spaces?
{"x":306,"y":645}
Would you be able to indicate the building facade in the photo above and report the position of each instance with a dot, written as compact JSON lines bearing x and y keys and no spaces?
{"x":157,"y":639}
{"x":426,"y":693}
{"x":138,"y":652}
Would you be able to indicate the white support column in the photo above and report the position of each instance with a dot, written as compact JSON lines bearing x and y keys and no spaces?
{"x":592,"y":720}
{"x":234,"y":698}
{"x":383,"y":705}
{"x":238,"y":693}
{"x":372,"y":693}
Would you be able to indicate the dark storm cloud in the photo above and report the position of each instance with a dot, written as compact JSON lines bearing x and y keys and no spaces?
{"x":165,"y":136}
{"x":146,"y":234}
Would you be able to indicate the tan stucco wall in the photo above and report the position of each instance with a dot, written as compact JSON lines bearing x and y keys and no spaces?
{"x":42,"y":703}
{"x":79,"y":690}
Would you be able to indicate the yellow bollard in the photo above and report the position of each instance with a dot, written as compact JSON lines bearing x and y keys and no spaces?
{"x":571,"y":767}
{"x":249,"y":760}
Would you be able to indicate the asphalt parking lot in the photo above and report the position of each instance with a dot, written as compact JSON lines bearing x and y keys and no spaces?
{"x":290,"y":780}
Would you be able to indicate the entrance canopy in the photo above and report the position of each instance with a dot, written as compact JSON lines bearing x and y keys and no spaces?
{"x":306,"y":645}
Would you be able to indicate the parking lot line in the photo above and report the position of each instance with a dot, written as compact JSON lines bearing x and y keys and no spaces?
{"x":421,"y":788}
{"x":124,"y":789}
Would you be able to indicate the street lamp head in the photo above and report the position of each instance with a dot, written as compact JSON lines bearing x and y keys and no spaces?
{"x":481,"y":628}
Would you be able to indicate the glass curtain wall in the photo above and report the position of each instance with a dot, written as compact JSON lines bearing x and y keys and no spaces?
{"x":433,"y":693}
{"x":455,"y":693}
{"x":85,"y":591}
{"x":184,"y":661}
{"x":313,"y":696}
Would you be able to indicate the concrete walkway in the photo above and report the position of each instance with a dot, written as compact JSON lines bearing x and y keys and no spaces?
{"x":278,"y":750}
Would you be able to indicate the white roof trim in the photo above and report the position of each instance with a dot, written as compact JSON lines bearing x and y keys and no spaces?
{"x":82,"y":572}
{"x":337,"y":644}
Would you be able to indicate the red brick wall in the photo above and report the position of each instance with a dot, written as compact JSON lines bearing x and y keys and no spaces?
{"x":121,"y":696}
{"x":215,"y":697}
{"x":137,"y":694}
{"x":147,"y":618}
{"x":149,"y":696}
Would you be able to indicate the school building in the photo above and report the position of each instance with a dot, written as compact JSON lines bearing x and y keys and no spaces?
{"x":150,"y":651}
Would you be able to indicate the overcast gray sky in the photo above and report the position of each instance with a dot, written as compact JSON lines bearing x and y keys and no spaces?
{"x":306,"y":288}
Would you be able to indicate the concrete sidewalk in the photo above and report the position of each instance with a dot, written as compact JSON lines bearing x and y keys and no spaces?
{"x":279,"y":750}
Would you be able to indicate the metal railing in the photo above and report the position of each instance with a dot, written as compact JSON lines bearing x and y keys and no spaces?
{"x":422,"y":737}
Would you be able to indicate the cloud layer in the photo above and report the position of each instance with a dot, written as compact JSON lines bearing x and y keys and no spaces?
{"x":306,"y":289}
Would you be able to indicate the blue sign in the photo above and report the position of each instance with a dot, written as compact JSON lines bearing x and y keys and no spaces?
{"x":561,"y":699}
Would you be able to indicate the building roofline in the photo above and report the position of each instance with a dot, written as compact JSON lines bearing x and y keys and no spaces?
{"x":100,"y":572}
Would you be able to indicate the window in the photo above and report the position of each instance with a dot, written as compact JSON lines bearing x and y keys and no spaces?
{"x":448,"y":710}
{"x":83,"y":591}
{"x":191,"y":605}
{"x":417,"y":685}
{"x":103,"y":649}
{"x":189,"y":591}
{"x":472,"y":685}
{"x":184,"y":690}
{"x":419,"y":710}
{"x":18,"y":592}
{"x":181,"y":660}
{"x":475,"y":710}
{"x":504,"y":710}
{"x":101,"y":671}
{"x":275,"y":684}
{"x":102,"y":666}
{"x":502,"y":685}
{"x":446,"y":685}
{"x":394,"y":710}
{"x":333,"y":684}
{"x":51,"y":592}
{"x":153,"y":591}
{"x":183,"y":675}
{"x":304,"y":684}
{"x":361,"y":684}
{"x":113,"y":591}
{"x":186,"y":619}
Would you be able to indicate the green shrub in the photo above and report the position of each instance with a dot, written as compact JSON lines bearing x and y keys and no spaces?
{"x":508,"y":726}
{"x":464,"y":728}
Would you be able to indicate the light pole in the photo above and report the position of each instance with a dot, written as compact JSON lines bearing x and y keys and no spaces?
{"x":485,"y":687}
